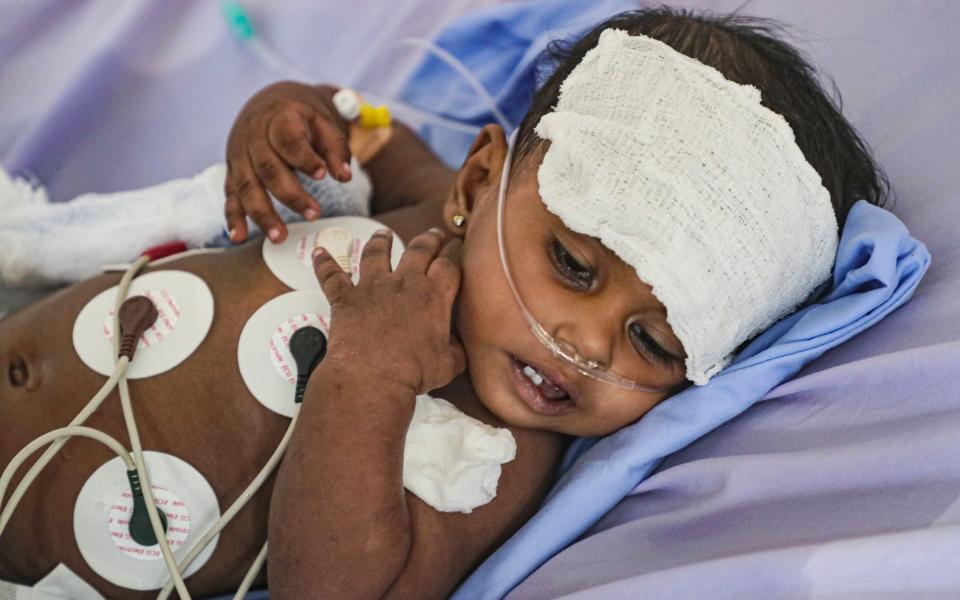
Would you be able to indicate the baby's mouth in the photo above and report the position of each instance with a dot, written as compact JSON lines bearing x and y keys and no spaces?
{"x":543,"y":394}
{"x":550,"y":388}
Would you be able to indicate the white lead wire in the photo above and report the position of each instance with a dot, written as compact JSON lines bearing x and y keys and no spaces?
{"x":251,"y":573}
{"x":133,"y":433}
{"x":60,"y":436}
{"x":238,"y":504}
{"x":48,"y":454}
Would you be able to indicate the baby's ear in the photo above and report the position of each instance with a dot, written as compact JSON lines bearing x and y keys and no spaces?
{"x":478,"y":177}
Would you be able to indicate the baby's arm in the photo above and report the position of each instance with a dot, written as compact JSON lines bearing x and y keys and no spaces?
{"x":363,"y":535}
{"x":341,"y":524}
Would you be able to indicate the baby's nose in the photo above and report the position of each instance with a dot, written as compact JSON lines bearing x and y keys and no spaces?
{"x":588,"y":338}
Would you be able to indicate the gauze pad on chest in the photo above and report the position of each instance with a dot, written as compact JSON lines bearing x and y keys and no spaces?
{"x":451,"y":460}
{"x":695,"y":184}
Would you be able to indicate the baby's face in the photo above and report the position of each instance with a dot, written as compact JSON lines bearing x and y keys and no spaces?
{"x":581,"y":293}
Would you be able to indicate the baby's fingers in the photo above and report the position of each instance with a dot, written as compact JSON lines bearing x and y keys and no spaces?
{"x":375,"y":257}
{"x":445,"y":268}
{"x":257,"y":205}
{"x":421,"y":252}
{"x":334,"y":147}
{"x":243,"y":188}
{"x":277,"y":177}
{"x":292,"y":139}
{"x":233,"y":211}
{"x":332,"y":279}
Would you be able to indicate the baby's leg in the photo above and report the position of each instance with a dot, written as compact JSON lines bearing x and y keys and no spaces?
{"x":47,"y":242}
{"x":54,"y":242}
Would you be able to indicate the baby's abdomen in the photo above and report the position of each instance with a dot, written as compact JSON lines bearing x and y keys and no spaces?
{"x":200,"y":412}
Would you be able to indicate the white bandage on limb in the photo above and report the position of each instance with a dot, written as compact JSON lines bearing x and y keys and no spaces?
{"x":696,"y":185}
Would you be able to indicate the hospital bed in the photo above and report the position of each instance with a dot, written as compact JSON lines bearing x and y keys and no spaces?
{"x":843,"y":482}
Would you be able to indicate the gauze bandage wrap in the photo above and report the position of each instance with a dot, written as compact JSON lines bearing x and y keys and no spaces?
{"x":691,"y":181}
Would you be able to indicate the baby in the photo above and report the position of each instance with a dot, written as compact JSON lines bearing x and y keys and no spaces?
{"x":649,"y":218}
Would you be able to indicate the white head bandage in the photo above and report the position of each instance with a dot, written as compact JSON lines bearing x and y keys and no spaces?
{"x":691,"y":181}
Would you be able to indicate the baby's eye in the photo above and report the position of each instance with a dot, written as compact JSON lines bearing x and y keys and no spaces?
{"x":647,"y":346}
{"x":568,"y":266}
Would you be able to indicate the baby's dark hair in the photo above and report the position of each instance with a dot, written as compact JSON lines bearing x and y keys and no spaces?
{"x":745,"y":50}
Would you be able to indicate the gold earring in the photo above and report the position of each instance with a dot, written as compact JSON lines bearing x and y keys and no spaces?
{"x":458,"y":220}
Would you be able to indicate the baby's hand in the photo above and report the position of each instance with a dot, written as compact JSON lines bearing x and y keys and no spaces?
{"x":284,"y":126}
{"x":394,"y":326}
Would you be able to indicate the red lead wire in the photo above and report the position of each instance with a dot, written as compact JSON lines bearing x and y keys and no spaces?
{"x":164,"y":250}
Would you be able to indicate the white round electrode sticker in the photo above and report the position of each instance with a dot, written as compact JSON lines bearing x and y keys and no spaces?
{"x":263,"y":354}
{"x":344,"y":237}
{"x":103,"y":508}
{"x":184,"y":305}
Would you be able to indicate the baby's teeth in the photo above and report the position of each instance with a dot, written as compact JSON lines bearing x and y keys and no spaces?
{"x":535,"y":377}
